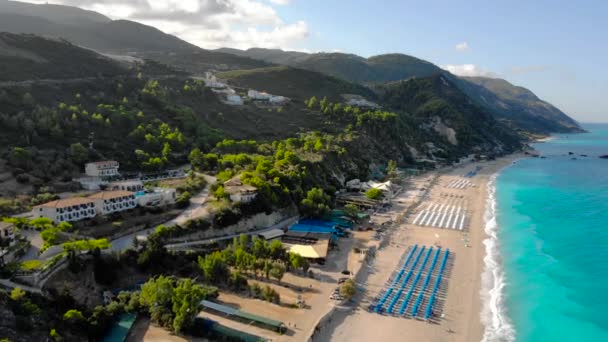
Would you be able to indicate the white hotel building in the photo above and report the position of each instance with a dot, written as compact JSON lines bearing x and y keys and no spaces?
{"x":107,"y":202}
{"x":66,"y":210}
{"x":102,"y":168}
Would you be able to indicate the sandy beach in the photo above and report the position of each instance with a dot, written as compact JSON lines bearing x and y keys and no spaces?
{"x":459,"y":316}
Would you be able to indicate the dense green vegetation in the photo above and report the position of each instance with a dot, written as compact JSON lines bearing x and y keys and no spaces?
{"x":437,"y":98}
{"x":297,"y":84}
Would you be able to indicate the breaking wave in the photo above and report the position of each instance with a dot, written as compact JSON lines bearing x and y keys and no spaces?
{"x":498,"y":327}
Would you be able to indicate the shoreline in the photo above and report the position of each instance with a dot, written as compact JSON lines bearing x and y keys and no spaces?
{"x":462,"y":317}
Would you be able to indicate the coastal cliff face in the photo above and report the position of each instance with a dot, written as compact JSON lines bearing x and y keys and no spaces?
{"x":518,"y":107}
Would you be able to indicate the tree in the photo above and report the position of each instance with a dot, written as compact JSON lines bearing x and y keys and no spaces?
{"x":166,"y":152}
{"x":244,"y":241}
{"x":276,"y":249}
{"x":173,"y":303}
{"x":17,"y":294}
{"x":277,"y":271}
{"x":220,"y":193}
{"x":351,"y":210}
{"x":267,"y":268}
{"x":183,"y":199}
{"x":348,"y":289}
{"x":374,"y":194}
{"x":213,"y":266}
{"x":156,"y":295}
{"x":312,"y":102}
{"x":298,"y":262}
{"x":196,"y":158}
{"x":259,"y":248}
{"x":54,"y":335}
{"x":186,"y":299}
{"x":73,"y":316}
{"x":316,"y":203}
{"x":79,"y":153}
{"x":41,"y":223}
{"x":391,"y":167}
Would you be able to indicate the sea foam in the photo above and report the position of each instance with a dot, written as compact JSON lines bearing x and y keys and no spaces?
{"x":493,"y":313}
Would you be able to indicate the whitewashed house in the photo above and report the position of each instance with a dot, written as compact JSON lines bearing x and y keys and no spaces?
{"x":238,"y":191}
{"x":212,"y":82}
{"x":108,"y":202}
{"x":7,"y":231}
{"x":277,"y":99}
{"x":102,"y":168}
{"x":258,"y":95}
{"x":66,"y":210}
{"x":234,"y":100}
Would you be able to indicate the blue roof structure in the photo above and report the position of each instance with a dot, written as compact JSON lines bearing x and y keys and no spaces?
{"x":299,"y":227}
{"x":321,"y":223}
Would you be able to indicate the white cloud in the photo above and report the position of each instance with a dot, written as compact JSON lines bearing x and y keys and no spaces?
{"x":207,"y":23}
{"x":468,"y":70}
{"x":462,"y":46}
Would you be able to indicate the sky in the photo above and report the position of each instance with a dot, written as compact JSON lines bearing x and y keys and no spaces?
{"x":558,"y":49}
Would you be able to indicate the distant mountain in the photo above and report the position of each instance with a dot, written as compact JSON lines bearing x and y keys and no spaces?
{"x":56,"y":13}
{"x":376,"y":69}
{"x":29,"y":57}
{"x":515,"y":106}
{"x":275,"y":56}
{"x":518,"y":106}
{"x":95,"y":31}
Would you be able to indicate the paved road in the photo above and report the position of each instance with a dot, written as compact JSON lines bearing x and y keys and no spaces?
{"x":197,"y":209}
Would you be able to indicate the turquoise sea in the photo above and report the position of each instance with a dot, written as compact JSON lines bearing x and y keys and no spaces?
{"x":546,"y":271}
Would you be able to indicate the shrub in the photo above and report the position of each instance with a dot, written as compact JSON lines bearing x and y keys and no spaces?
{"x":374,"y":194}
{"x":183,"y":200}
{"x":348,"y":289}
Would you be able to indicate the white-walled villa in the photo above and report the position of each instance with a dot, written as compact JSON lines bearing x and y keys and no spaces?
{"x":108,"y":202}
{"x":105,"y":168}
{"x":66,"y":210}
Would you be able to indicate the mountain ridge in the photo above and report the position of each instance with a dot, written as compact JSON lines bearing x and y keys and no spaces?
{"x":525,"y":112}
{"x":519,"y":107}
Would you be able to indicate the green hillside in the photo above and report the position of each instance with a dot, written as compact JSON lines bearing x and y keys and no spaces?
{"x":294,"y":83}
